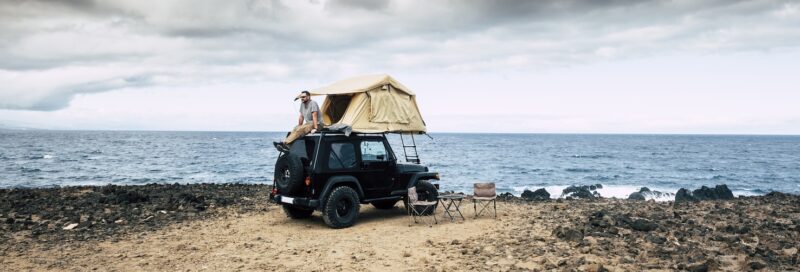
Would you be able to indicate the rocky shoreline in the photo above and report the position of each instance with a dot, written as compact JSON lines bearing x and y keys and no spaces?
{"x":96,"y":213}
{"x":692,"y":234}
{"x":533,"y":232}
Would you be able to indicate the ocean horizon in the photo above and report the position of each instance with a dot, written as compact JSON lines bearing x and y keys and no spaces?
{"x":621,"y":163}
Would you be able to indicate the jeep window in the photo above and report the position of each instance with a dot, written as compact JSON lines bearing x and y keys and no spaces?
{"x":373,"y":151}
{"x":342,"y":156}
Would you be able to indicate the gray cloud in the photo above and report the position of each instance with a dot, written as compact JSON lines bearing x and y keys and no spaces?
{"x":197,"y":42}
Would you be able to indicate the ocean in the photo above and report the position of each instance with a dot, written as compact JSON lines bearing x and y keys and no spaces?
{"x":749,"y":165}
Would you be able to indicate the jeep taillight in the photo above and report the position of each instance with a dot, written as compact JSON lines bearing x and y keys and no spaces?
{"x":274,"y":190}
{"x":308,"y":181}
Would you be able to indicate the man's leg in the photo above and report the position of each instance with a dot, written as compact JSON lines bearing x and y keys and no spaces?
{"x":297,"y":132}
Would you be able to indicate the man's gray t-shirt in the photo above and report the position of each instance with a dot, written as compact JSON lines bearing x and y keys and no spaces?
{"x":307,"y":108}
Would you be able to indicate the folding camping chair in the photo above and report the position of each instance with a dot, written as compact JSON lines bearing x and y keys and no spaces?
{"x":484,"y":195}
{"x":413,"y":200}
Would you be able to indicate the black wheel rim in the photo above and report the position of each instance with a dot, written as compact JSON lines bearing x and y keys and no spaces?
{"x":285,"y":177}
{"x":343,"y":207}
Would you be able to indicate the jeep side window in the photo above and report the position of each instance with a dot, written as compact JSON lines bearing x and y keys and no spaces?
{"x":342,"y":156}
{"x":373,"y":151}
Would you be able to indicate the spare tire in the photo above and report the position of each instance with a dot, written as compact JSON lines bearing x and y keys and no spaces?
{"x":425,"y":192}
{"x":289,"y":174}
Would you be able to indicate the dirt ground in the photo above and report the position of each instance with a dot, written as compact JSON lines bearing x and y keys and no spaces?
{"x":231,"y":228}
{"x":382,"y":240}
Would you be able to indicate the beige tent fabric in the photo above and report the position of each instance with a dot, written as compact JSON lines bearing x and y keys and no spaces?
{"x":377,"y":109}
{"x":360,"y":84}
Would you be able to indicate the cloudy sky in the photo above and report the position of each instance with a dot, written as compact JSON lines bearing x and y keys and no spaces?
{"x":494,"y":66}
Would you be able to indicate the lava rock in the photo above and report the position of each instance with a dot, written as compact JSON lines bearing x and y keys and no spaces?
{"x":636,"y":196}
{"x":643,"y":225}
{"x":683,"y":195}
{"x":656,"y":239}
{"x":506,"y":196}
{"x":581,"y":192}
{"x":704,"y":193}
{"x":757,"y":265}
{"x":645,"y":192}
{"x":538,"y":195}
{"x":719,"y":192}
{"x":568,"y":234}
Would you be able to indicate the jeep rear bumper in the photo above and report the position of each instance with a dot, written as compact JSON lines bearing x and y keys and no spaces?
{"x":294,"y":201}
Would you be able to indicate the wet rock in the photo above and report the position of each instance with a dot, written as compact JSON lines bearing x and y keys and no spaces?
{"x":581,"y":192}
{"x":636,"y":196}
{"x":506,"y":196}
{"x":645,"y":193}
{"x":719,"y":192}
{"x":538,"y":195}
{"x":683,"y":195}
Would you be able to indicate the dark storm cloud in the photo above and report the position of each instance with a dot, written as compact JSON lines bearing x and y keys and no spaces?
{"x":69,"y":43}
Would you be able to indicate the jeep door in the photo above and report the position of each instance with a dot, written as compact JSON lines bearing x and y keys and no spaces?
{"x":376,"y":164}
{"x":341,"y":159}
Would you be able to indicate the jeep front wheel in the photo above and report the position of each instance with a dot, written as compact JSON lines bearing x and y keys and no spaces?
{"x":341,"y":208}
{"x":297,"y":213}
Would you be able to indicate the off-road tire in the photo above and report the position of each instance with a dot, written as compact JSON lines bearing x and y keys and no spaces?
{"x":341,"y":208}
{"x":425,"y":192}
{"x":289,"y":174}
{"x":384,"y":204}
{"x":296,"y":213}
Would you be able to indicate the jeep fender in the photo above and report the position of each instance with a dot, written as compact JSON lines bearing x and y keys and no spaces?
{"x":421,"y":176}
{"x":336,"y":181}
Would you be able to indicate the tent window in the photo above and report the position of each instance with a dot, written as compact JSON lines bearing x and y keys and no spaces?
{"x":338,"y":107}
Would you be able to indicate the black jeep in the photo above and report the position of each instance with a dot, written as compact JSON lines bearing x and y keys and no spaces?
{"x":335,"y":174}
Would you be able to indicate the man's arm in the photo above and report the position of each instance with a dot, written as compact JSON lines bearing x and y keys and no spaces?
{"x":300,"y":121}
{"x":314,"y":117}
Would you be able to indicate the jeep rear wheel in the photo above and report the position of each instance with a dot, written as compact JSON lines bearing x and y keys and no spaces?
{"x":296,"y":213}
{"x":384,"y":204}
{"x":341,"y":208}
{"x":425,"y":192}
{"x":289,"y":174}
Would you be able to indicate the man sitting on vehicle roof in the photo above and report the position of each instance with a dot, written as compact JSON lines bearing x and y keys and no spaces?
{"x":309,"y":112}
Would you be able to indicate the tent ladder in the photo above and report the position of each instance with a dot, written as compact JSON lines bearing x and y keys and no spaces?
{"x":410,"y":148}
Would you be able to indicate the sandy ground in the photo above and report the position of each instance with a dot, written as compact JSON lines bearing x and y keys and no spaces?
{"x":383,"y":240}
{"x":742,"y":234}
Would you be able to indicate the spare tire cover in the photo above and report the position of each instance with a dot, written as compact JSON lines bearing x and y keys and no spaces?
{"x":289,"y":174}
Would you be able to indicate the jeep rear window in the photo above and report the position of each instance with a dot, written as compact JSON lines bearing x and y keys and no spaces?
{"x":342,"y":156}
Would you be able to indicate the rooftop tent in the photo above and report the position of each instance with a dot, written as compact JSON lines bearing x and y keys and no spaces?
{"x":371,"y":104}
